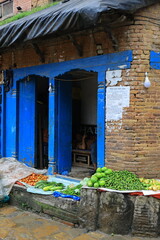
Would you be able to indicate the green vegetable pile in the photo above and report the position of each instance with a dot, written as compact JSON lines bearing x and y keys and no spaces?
{"x":72,"y":190}
{"x":117,"y":180}
{"x":49,"y":186}
{"x":54,"y":186}
{"x":123,"y":180}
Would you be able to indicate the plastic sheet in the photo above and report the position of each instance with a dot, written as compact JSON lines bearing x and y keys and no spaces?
{"x":74,"y":15}
{"x":38,"y":191}
{"x":151,"y":193}
{"x":12,"y":170}
{"x":59,"y":194}
{"x":66,"y":182}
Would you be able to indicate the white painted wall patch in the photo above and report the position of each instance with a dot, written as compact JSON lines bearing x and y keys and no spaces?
{"x":113,"y":77}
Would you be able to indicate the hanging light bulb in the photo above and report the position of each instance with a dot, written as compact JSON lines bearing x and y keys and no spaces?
{"x":147,"y":83}
{"x":50,"y":87}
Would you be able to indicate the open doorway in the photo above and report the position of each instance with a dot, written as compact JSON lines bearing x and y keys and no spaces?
{"x":42,"y":122}
{"x":77,"y":121}
{"x":84,"y":122}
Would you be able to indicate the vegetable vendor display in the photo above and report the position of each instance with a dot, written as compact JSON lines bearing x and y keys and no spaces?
{"x":39,"y":181}
{"x":33,"y":178}
{"x":120,"y":180}
{"x":54,"y":186}
{"x":103,"y":178}
{"x":152,"y":184}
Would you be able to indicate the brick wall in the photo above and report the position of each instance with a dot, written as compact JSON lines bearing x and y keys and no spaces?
{"x":24,"y":4}
{"x":136,"y":145}
{"x":133,"y":142}
{"x":36,"y":3}
{"x":27,"y":5}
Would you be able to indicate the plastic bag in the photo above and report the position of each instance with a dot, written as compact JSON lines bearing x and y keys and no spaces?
{"x":59,"y":194}
{"x":1,"y":190}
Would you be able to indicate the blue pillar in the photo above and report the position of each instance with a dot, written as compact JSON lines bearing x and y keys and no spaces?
{"x":2,"y":121}
{"x":14,"y":120}
{"x":101,"y":120}
{"x":10,"y":130}
{"x":51,"y":129}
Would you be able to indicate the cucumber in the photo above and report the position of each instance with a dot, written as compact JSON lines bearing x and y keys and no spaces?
{"x":56,"y":188}
{"x":47,"y":188}
{"x":51,"y":188}
{"x":41,"y":182}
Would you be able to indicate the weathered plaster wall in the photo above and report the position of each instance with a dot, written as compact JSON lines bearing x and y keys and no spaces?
{"x":132,"y":142}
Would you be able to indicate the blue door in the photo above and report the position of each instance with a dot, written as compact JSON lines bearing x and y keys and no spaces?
{"x":64,"y":129}
{"x":27,"y":121}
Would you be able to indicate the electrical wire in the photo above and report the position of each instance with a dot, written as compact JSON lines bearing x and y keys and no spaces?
{"x":74,"y":80}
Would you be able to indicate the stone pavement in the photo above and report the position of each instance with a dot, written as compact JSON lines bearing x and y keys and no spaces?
{"x":16,"y":224}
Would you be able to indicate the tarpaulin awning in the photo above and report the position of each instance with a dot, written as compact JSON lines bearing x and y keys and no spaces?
{"x":74,"y":15}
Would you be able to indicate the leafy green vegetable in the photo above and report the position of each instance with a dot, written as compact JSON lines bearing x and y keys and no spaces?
{"x":84,"y":181}
{"x":73,"y":190}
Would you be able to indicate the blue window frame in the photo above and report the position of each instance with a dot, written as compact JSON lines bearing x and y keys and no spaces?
{"x":155,"y":60}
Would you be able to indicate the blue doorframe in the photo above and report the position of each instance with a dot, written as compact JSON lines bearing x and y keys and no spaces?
{"x":10,"y":123}
{"x":52,"y":128}
{"x":155,"y":60}
{"x":2,"y":122}
{"x":99,"y":64}
{"x":101,"y":93}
